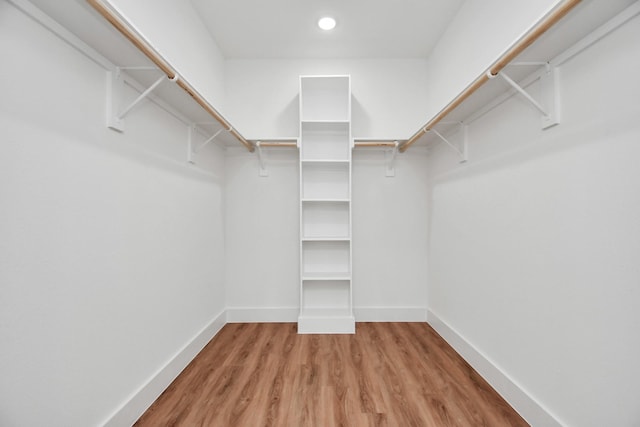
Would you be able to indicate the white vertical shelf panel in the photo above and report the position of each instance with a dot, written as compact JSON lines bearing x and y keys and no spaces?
{"x":326,"y":300}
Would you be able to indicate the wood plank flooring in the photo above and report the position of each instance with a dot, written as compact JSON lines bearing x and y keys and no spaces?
{"x":387,"y":374}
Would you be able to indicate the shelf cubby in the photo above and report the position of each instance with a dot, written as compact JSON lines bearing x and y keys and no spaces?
{"x":325,"y":140}
{"x":323,"y":220}
{"x":326,"y":257}
{"x":323,"y":295}
{"x":325,"y":181}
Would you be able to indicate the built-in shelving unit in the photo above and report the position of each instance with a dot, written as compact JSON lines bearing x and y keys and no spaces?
{"x":325,"y":205}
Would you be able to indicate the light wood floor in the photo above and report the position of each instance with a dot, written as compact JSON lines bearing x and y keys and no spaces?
{"x":387,"y":374}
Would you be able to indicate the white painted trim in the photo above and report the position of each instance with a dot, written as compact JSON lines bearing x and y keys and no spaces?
{"x":530,"y":409}
{"x":390,"y":314}
{"x":262,"y":314}
{"x":290,"y":314}
{"x":140,"y":401}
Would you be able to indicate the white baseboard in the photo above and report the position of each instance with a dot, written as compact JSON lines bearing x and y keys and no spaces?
{"x":262,"y":314}
{"x":390,"y":314}
{"x":140,"y":401}
{"x":518,"y":398}
{"x":290,"y":314}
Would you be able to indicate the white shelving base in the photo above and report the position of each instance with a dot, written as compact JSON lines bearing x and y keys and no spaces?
{"x":326,"y":300}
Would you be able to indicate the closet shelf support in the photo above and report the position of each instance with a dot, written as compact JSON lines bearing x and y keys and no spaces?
{"x":115,"y":96}
{"x":390,"y":157}
{"x":263,"y":170}
{"x":549,"y":107}
{"x":260,"y":145}
{"x":462,"y":149}
{"x":191,"y":149}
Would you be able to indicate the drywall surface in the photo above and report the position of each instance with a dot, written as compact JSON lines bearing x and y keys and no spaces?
{"x":111,"y":248}
{"x":478,"y":35}
{"x":262,"y":236}
{"x":261,"y":230}
{"x":389,"y":236}
{"x":535,"y":241}
{"x":175,"y":30}
{"x":389,"y":97}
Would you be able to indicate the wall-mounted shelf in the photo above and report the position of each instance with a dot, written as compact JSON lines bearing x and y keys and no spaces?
{"x":572,"y":27}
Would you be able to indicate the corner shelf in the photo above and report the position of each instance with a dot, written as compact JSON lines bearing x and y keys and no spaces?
{"x":325,"y":205}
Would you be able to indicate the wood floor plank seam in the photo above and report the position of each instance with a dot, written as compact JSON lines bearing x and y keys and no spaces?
{"x":387,"y":374}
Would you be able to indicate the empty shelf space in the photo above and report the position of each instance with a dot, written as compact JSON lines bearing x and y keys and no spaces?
{"x":326,"y":295}
{"x":322,"y":258}
{"x":326,"y":239}
{"x":325,"y":181}
{"x":326,"y":312}
{"x":324,"y":161}
{"x":325,"y":141}
{"x":307,"y":201}
{"x":323,"y":277}
{"x":325,"y":220}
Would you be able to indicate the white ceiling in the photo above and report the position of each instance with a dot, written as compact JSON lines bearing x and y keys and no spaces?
{"x":288,"y":28}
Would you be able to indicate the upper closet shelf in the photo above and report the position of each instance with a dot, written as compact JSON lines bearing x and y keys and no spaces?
{"x":551,"y":42}
{"x":127,"y":29}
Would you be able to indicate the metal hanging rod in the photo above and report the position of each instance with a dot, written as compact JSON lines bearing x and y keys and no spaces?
{"x":540,"y":28}
{"x":123,"y":27}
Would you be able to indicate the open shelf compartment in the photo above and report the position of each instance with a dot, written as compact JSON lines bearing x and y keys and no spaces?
{"x":326,"y":307}
{"x":325,"y":181}
{"x":325,"y":220}
{"x":326,"y":259}
{"x":325,"y":141}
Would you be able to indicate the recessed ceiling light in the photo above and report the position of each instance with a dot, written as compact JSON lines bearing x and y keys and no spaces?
{"x":327,"y":23}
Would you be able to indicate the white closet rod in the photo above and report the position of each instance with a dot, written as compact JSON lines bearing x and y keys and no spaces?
{"x":126,"y":30}
{"x":540,"y":28}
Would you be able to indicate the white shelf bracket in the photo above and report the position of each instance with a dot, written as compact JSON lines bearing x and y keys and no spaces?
{"x":115,"y":96}
{"x":191,"y":149}
{"x":390,"y":156}
{"x":549,"y":107}
{"x":462,"y":148}
{"x":263,"y":170}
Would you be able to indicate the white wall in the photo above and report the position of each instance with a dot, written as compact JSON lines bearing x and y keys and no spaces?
{"x":175,"y":30}
{"x":389,"y":236}
{"x":262,"y":235}
{"x":262,"y":222}
{"x":261,"y":229}
{"x":535,"y":242}
{"x":389,"y":97}
{"x":111,"y":249}
{"x":478,"y":35}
